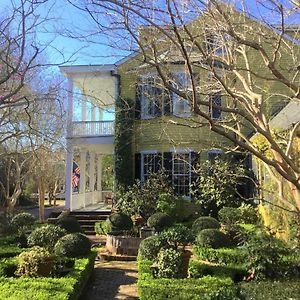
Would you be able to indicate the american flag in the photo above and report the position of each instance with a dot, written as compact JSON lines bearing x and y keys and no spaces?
{"x":76,"y":175}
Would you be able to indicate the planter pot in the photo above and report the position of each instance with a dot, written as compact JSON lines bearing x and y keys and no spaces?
{"x":146,"y":232}
{"x":123,"y":245}
{"x":186,"y":255}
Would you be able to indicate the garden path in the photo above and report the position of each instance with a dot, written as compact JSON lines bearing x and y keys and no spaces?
{"x":112,"y":280}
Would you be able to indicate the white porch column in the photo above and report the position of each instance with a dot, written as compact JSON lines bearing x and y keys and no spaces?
{"x":70,"y":107}
{"x":83,"y":108}
{"x":99,"y":177}
{"x":92,"y":175}
{"x":69,"y":174}
{"x":82,"y":182}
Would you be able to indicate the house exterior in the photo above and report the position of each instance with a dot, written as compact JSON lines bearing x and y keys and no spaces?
{"x":150,"y":127}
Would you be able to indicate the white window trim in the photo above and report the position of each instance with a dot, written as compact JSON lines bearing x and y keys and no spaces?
{"x":183,"y":151}
{"x":143,"y":153}
{"x":175,"y":96}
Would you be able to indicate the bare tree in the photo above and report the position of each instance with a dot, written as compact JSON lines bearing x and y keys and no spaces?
{"x":230,"y":50}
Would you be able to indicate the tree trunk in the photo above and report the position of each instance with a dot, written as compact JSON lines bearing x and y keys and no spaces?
{"x":41,"y":189}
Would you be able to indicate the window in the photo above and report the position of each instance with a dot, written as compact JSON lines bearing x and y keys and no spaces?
{"x":150,"y":98}
{"x":215,"y":44}
{"x":181,"y":106}
{"x":150,"y":163}
{"x":215,"y":106}
{"x":181,"y":173}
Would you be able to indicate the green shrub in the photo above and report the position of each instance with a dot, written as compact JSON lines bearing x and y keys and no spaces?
{"x":73,"y":245}
{"x":177,"y":235}
{"x":168,"y":263}
{"x":150,"y":246}
{"x":212,"y":238}
{"x":270,"y":290}
{"x":206,"y":288}
{"x":204,"y":223}
{"x":23,"y":221}
{"x":159,"y":221}
{"x":221,"y":256}
{"x":46,"y":236}
{"x":265,"y":254}
{"x":119,"y":222}
{"x":198,"y":269}
{"x":32,"y":263}
{"x":41,"y":288}
{"x":236,"y":215}
{"x":102,"y":228}
{"x":8,"y":266}
{"x":70,"y":224}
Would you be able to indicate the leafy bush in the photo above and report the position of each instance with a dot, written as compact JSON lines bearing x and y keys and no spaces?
{"x":46,"y":236}
{"x":225,"y":256}
{"x":212,"y":238}
{"x":270,"y":290}
{"x":150,"y":246}
{"x":177,"y":235}
{"x":236,"y":215}
{"x":40,"y":288}
{"x":102,"y":228}
{"x":264,"y":254}
{"x":73,"y":245}
{"x":206,"y":288}
{"x":23,"y":221}
{"x":141,"y":198}
{"x":8,"y":246}
{"x":70,"y":224}
{"x":8,"y":266}
{"x":119,"y":222}
{"x":204,"y":223}
{"x":159,"y":221}
{"x":198,"y":269}
{"x":168,"y":263}
{"x":33,"y":263}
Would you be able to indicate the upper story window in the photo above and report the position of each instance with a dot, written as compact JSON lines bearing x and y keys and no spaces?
{"x":155,"y":100}
{"x":215,"y":106}
{"x":181,"y":106}
{"x":215,"y":44}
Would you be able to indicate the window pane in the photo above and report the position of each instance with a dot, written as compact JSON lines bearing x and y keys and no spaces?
{"x":181,"y":173}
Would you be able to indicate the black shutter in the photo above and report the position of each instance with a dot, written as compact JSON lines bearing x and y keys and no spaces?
{"x":168,"y":167}
{"x":138,"y":93}
{"x":137,"y":173}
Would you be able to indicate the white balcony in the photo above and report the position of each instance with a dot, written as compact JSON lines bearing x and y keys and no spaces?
{"x":93,"y":128}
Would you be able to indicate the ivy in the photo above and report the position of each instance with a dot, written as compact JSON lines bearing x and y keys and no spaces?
{"x":123,"y":142}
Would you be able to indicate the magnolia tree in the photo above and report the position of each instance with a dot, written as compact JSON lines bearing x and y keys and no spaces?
{"x":248,"y":55}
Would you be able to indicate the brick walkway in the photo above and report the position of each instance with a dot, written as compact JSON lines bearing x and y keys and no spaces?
{"x":112,"y":280}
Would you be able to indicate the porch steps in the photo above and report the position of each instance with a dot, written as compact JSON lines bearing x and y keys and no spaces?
{"x":87,"y":219}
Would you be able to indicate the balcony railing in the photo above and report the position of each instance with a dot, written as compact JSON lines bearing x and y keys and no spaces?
{"x":93,"y":128}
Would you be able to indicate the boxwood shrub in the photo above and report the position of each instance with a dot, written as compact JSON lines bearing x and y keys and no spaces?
{"x":206,"y":288}
{"x":70,"y":224}
{"x":270,"y":290}
{"x":198,"y":269}
{"x":212,"y":238}
{"x":221,"y":256}
{"x":8,"y":266}
{"x":69,"y":287}
{"x":159,"y":221}
{"x":204,"y":223}
{"x":150,"y":246}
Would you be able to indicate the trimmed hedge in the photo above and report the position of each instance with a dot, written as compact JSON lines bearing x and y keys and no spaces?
{"x":270,"y":290}
{"x":198,"y":269}
{"x":8,"y":266}
{"x":204,"y":223}
{"x":212,"y":238}
{"x":221,"y":256}
{"x":8,"y":246}
{"x":206,"y":288}
{"x":65,"y":288}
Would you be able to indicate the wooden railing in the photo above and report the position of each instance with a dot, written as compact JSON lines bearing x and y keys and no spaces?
{"x":93,"y":128}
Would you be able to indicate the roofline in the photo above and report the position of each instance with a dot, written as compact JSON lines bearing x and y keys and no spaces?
{"x":127,"y":58}
{"x":87,"y":68}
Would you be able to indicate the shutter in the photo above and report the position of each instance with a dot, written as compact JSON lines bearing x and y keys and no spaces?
{"x":137,"y":174}
{"x":168,"y":167}
{"x":138,"y":93}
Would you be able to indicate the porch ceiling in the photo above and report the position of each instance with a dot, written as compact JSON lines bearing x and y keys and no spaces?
{"x":101,"y":90}
{"x":98,"y":148}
